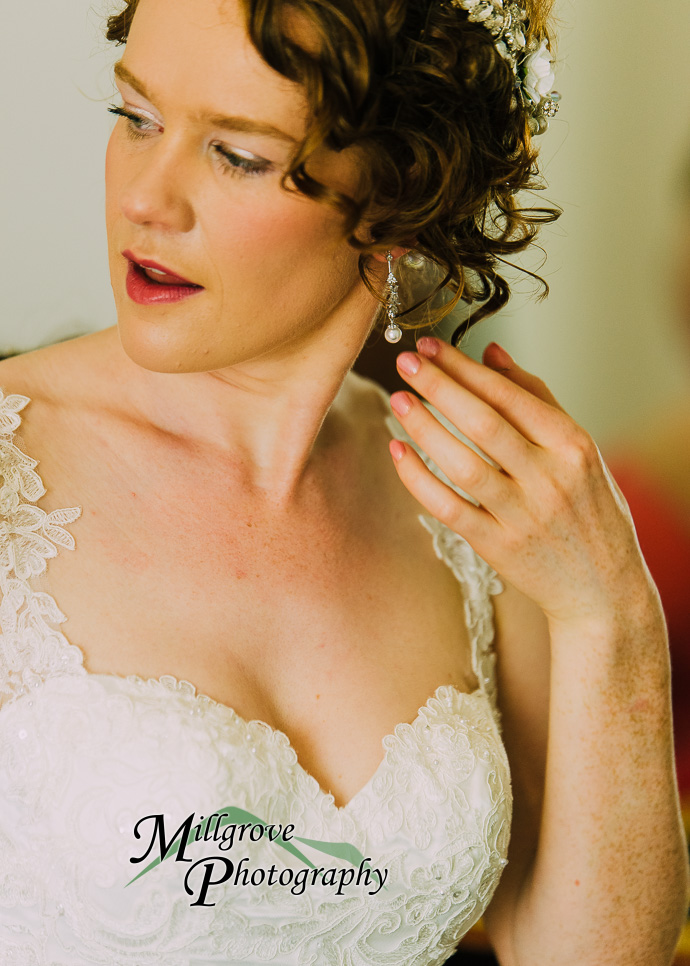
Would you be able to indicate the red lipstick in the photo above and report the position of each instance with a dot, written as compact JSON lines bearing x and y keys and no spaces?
{"x":148,"y":290}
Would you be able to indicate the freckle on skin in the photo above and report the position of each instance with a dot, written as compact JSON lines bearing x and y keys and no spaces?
{"x":318,"y":696}
{"x":577,"y":881}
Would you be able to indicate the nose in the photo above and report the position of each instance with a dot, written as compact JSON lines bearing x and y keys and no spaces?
{"x":158,"y":191}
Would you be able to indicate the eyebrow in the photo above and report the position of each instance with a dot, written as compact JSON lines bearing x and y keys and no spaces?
{"x":229,"y":123}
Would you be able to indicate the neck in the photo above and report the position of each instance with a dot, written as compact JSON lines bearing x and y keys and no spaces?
{"x":270,"y":421}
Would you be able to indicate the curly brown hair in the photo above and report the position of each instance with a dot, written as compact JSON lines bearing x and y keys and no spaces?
{"x":429,"y":101}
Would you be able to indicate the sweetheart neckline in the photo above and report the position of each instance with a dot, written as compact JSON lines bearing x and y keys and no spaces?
{"x":268,"y":730}
{"x":173,"y":685}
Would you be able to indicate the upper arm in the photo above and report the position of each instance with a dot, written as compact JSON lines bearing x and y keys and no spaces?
{"x":523,"y":665}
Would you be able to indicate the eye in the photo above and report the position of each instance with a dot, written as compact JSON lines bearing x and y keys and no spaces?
{"x":232,"y":163}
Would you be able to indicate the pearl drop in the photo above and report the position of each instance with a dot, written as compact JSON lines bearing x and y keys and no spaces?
{"x":393,"y":333}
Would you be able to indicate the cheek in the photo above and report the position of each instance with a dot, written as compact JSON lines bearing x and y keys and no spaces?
{"x":284,"y":258}
{"x":275,"y":234}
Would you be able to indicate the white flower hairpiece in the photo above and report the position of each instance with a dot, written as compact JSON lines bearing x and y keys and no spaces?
{"x":530,"y":61}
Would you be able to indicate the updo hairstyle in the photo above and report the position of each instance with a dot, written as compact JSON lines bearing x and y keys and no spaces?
{"x":427,"y":98}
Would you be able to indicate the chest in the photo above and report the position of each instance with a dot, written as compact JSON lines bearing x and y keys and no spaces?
{"x":332,"y":630}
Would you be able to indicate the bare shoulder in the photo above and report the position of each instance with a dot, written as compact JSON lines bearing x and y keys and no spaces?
{"x":71,"y":368}
{"x":523,"y":667}
{"x":65,"y":383}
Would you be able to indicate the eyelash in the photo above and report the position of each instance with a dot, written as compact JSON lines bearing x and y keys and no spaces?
{"x":242,"y":167}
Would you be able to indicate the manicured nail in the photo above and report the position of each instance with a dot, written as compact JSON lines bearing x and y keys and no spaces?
{"x":397,"y":449}
{"x":409,"y":363}
{"x":401,"y":403}
{"x":500,"y":354}
{"x":428,"y":346}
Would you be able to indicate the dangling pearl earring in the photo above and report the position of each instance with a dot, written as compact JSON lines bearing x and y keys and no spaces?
{"x":393,"y":331}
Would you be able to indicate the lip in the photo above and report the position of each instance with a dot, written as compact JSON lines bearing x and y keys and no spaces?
{"x":148,"y":263}
{"x":143,"y":291}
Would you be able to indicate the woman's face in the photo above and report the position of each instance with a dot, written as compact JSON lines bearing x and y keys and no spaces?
{"x":273,"y":265}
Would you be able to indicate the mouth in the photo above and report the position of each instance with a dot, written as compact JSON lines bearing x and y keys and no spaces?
{"x":156,"y":273}
{"x":152,"y":284}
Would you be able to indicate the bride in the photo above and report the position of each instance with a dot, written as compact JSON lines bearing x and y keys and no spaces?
{"x":291,"y":671}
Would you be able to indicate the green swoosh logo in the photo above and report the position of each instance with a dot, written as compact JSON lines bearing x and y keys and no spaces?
{"x":339,"y":850}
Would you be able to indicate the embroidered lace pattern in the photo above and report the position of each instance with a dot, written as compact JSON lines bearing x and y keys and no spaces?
{"x":84,"y":756}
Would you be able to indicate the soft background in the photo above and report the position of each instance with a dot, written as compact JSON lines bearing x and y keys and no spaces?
{"x":608,"y":340}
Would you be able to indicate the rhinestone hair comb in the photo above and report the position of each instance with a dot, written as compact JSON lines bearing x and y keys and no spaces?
{"x":530,"y":61}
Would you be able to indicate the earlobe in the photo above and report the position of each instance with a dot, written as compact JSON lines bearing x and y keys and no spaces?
{"x":395,"y":252}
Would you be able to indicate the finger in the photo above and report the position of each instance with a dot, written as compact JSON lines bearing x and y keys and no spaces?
{"x":473,"y":523}
{"x":474,"y":417}
{"x":496,"y":357}
{"x":489,"y":485}
{"x":537,"y":418}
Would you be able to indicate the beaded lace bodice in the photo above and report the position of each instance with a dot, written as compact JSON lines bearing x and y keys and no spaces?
{"x":85,"y":757}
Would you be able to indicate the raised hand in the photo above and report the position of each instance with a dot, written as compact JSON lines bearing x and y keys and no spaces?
{"x":551,"y":518}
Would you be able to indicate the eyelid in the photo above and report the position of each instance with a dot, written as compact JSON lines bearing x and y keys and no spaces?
{"x":140,"y":114}
{"x":246,"y":167}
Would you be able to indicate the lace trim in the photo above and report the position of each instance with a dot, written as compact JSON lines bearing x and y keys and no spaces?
{"x":29,"y":647}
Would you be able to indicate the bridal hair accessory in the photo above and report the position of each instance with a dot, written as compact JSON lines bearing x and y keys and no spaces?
{"x":529,"y":60}
{"x":393,"y":331}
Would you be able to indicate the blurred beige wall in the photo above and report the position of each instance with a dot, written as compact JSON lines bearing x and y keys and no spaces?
{"x":607,"y":340}
{"x":54,"y":131}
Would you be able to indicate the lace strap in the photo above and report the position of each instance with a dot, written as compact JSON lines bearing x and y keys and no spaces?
{"x":479,"y":581}
{"x":30,"y":648}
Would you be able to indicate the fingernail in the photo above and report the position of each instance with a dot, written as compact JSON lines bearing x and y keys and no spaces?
{"x":401,"y":403}
{"x":397,"y":449}
{"x":500,"y":354}
{"x":409,"y":362}
{"x":428,"y":346}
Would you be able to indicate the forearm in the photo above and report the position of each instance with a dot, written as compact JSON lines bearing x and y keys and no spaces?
{"x":609,"y":883}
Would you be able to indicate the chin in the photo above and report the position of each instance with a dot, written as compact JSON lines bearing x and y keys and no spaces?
{"x":161,"y":346}
{"x":154,"y":347}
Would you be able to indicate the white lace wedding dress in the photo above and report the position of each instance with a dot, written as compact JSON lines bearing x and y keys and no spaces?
{"x":84,"y":757}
